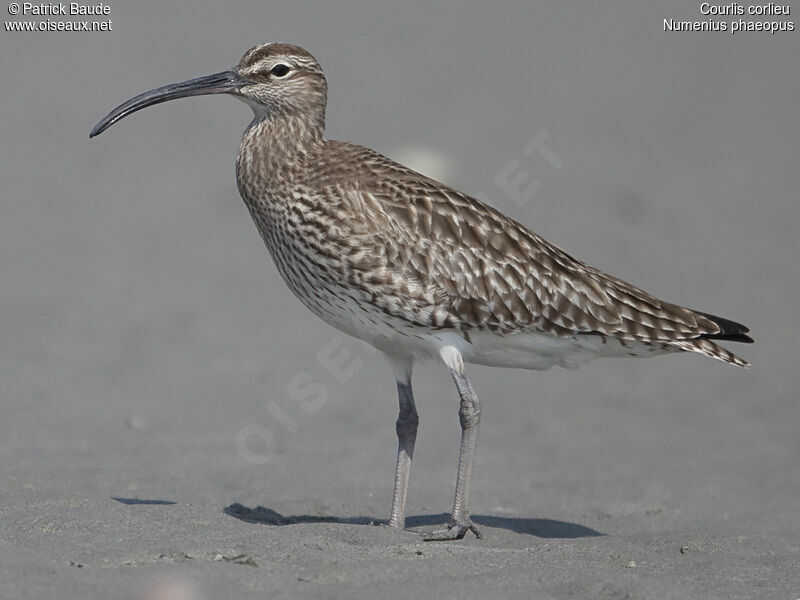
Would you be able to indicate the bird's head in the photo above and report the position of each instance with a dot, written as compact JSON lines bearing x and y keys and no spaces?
{"x":275,"y":80}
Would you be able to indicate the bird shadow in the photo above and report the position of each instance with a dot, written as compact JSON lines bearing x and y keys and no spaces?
{"x":140,"y":501}
{"x":542,"y":528}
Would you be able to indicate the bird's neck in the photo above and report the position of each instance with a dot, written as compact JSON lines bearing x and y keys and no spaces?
{"x":275,"y":151}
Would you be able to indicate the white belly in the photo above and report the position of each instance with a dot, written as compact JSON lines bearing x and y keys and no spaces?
{"x":540,"y":351}
{"x":523,"y":350}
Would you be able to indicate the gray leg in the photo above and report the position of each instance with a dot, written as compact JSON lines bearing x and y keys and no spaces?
{"x":407,"y":421}
{"x":469,"y":414}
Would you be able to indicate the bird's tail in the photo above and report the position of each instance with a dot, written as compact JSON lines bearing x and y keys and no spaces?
{"x":709,"y":348}
{"x":728,"y":330}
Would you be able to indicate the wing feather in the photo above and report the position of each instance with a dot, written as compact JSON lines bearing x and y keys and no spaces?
{"x":460,"y":263}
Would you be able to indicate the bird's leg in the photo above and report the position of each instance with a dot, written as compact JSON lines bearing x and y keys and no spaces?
{"x":406,"y":426}
{"x":469,"y":414}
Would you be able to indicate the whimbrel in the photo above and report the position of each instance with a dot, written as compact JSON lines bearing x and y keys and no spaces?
{"x":417,"y":269}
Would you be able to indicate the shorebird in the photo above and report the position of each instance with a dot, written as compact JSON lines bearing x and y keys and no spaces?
{"x":417,"y":269}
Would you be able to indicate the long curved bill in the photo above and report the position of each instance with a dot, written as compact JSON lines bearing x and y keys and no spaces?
{"x":225,"y":82}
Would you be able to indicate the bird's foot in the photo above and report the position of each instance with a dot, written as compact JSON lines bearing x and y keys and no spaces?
{"x":455,"y":530}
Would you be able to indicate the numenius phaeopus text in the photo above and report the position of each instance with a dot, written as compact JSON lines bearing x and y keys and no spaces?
{"x":416,"y":268}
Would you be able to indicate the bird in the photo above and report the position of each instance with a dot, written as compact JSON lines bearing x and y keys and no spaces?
{"x":417,"y":269}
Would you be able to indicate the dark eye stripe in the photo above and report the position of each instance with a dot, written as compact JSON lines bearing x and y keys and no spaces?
{"x":279,"y":70}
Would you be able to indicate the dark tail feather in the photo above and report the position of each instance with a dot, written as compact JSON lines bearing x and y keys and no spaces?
{"x":729,"y":330}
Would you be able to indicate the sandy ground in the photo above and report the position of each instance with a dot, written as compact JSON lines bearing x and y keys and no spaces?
{"x":153,"y":441}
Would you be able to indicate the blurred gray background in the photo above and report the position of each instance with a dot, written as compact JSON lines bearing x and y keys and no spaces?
{"x":144,"y":326}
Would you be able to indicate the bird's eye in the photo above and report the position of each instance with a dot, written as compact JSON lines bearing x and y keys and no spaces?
{"x":279,"y":70}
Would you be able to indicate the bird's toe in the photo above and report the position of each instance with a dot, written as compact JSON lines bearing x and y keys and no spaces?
{"x":454,"y":531}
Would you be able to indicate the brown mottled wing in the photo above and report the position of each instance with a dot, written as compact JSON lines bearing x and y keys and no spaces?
{"x":465,"y":265}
